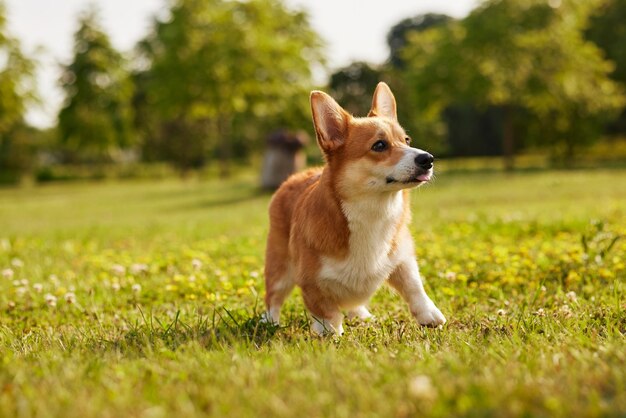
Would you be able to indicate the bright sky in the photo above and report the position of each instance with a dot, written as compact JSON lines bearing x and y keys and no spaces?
{"x":353,"y":30}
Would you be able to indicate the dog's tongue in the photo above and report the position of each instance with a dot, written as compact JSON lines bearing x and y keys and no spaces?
{"x":424,"y":177}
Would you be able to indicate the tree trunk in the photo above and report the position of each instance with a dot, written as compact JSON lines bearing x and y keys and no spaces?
{"x":508,"y":140}
{"x":570,"y":152}
{"x":225,"y":151}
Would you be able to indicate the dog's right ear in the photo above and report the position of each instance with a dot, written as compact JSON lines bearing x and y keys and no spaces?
{"x":330,"y":121}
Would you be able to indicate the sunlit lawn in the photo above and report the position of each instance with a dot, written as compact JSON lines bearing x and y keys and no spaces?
{"x":142,"y":299}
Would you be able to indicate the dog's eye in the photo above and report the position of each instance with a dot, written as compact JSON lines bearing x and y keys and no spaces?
{"x":408,"y":140}
{"x":379,"y":146}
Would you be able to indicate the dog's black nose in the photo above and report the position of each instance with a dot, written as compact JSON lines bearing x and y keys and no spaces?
{"x":424,"y":160}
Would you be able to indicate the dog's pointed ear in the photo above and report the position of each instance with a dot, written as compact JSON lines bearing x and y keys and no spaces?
{"x":383,"y":103}
{"x":330,"y":121}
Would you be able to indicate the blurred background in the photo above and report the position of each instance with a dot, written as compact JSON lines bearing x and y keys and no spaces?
{"x":157,"y":88}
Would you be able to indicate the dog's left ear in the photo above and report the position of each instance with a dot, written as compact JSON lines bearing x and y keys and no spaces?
{"x":383,"y":103}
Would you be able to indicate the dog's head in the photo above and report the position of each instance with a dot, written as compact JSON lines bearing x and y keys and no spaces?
{"x":370,"y":154}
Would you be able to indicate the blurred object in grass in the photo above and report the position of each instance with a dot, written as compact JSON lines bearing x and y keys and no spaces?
{"x":284,"y":156}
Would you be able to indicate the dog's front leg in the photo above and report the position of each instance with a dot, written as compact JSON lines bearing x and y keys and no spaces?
{"x":407,"y":281}
{"x":326,"y":316}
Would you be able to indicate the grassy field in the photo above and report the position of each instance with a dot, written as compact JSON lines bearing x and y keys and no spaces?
{"x":143,"y":298}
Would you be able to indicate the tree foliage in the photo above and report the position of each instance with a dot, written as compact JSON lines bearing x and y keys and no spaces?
{"x":353,"y":86}
{"x":424,"y":125}
{"x":96,"y":119}
{"x":217,"y":71}
{"x":525,"y":55}
{"x":607,"y":29}
{"x":399,"y":34}
{"x":17,"y":91}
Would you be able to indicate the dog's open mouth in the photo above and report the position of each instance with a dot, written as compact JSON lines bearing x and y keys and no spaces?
{"x":420,"y":178}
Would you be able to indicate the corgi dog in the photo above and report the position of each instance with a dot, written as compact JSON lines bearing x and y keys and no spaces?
{"x":341,"y":231}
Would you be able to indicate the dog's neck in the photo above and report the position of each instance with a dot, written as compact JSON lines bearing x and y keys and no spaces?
{"x":364,"y":208}
{"x":371,"y":209}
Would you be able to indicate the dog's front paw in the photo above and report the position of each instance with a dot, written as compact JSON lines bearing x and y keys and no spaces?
{"x":324,"y":327}
{"x":360,"y":312}
{"x":429,"y":315}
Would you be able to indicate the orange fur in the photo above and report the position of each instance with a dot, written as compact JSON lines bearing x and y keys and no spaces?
{"x":338,"y":232}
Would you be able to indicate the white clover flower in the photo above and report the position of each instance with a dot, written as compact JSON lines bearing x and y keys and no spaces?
{"x":571,"y":296}
{"x":254,"y":274}
{"x":118,"y":269}
{"x":115,"y":286}
{"x":11,"y":305}
{"x":8,"y":273}
{"x":196,"y":264}
{"x":501,"y":312}
{"x":38,"y":287}
{"x":566,"y":311}
{"x":17,"y":263}
{"x":136,"y":288}
{"x":138,"y":268}
{"x":24,"y":282}
{"x":421,"y":387}
{"x":70,"y":298}
{"x":53,"y":278}
{"x":50,"y":299}
{"x":540,"y":312}
{"x":450,"y":275}
{"x":20,"y":291}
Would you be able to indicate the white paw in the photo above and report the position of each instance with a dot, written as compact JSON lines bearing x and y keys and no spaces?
{"x":325,"y":327}
{"x":268,"y":318}
{"x":360,"y":312}
{"x":429,"y":315}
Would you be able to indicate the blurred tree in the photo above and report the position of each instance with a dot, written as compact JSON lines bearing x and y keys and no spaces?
{"x":426,"y":128}
{"x":519,"y":55}
{"x":353,"y":86}
{"x":216,"y":71}
{"x":20,"y":150}
{"x":607,"y":29}
{"x":462,"y":129}
{"x":473,"y":130}
{"x":17,"y":90}
{"x":398,"y":35}
{"x":95,"y":122}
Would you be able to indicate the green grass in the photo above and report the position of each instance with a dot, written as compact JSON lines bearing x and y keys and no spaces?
{"x":165,"y":280}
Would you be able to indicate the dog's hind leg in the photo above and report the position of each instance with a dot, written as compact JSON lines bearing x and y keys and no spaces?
{"x":279,"y":281}
{"x":277,"y":290}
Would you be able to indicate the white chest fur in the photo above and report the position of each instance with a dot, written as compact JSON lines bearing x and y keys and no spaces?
{"x":373,"y":224}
